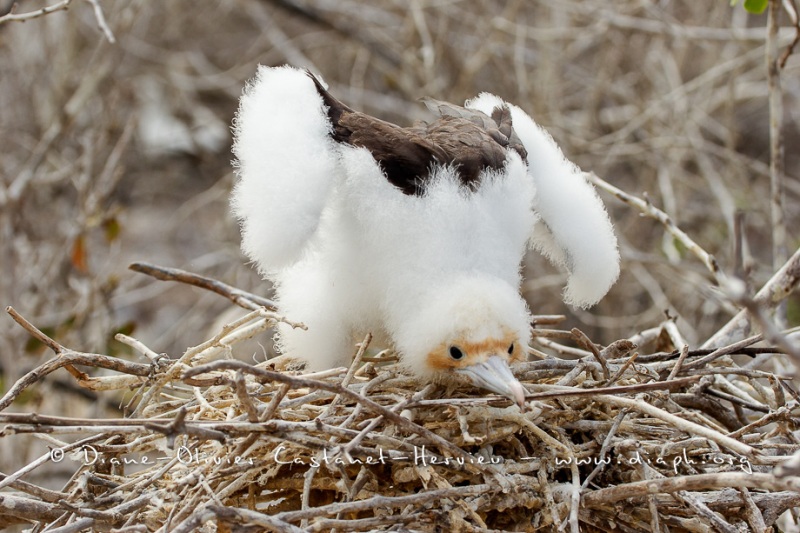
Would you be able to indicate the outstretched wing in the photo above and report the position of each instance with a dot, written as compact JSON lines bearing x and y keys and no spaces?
{"x":574,"y":230}
{"x":405,"y":156}
{"x":499,"y":126}
{"x":286,"y":163}
{"x":466,"y":139}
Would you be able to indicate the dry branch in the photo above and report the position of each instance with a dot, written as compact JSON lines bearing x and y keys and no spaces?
{"x":774,"y":291}
{"x":237,"y":296}
{"x":12,"y":16}
{"x":649,"y":210}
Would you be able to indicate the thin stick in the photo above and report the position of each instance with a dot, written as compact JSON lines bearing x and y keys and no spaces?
{"x":604,"y":447}
{"x":725,"y":350}
{"x":680,"y":423}
{"x":769,"y":330}
{"x":240,"y":385}
{"x":776,"y":171}
{"x":625,"y":366}
{"x":247,"y":517}
{"x":547,"y":320}
{"x":11,"y":478}
{"x":237,"y":296}
{"x":649,"y":210}
{"x":67,"y":359}
{"x":722,"y":480}
{"x":101,"y":22}
{"x":35,"y":332}
{"x":140,"y":347}
{"x":774,"y":291}
{"x":22,"y":17}
{"x":377,"y":502}
{"x":566,"y":392}
{"x":679,"y":362}
{"x":587,"y":343}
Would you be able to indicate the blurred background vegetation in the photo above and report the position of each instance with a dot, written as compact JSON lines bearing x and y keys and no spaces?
{"x":114,"y":152}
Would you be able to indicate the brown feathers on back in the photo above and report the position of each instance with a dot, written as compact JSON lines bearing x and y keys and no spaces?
{"x":468,"y":139}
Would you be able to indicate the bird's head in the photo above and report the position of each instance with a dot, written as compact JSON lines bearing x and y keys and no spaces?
{"x":471,"y":326}
{"x":485,"y":362}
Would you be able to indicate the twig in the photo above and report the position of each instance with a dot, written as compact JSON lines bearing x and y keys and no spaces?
{"x":649,"y":210}
{"x":566,"y":392}
{"x":253,"y":518}
{"x":547,"y":320}
{"x":8,"y":480}
{"x":617,"y":349}
{"x":604,"y":447}
{"x":178,"y":426}
{"x":736,"y":400}
{"x":552,"y":334}
{"x":587,"y":343}
{"x":769,"y":330}
{"x":575,"y":498}
{"x":754,"y":517}
{"x":101,"y":21}
{"x":47,"y":495}
{"x":238,"y":330}
{"x":638,"y":489}
{"x":237,"y":296}
{"x":28,"y":508}
{"x":719,"y":352}
{"x":241,"y":393}
{"x":349,"y":31}
{"x":68,"y":358}
{"x":776,"y":162}
{"x":11,"y":16}
{"x":622,"y":369}
{"x":700,"y":509}
{"x":156,"y":358}
{"x":774,"y":291}
{"x":387,"y":501}
{"x":691,"y":428}
{"x":34,"y":331}
{"x":356,"y":363}
{"x":677,"y":368}
{"x":791,"y":8}
{"x":377,"y":420}
{"x":674,"y":334}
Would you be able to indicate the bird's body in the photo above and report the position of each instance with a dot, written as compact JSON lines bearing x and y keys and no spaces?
{"x":414,"y":234}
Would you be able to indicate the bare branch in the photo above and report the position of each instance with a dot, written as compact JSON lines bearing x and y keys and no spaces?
{"x":11,"y":16}
{"x":649,"y":210}
{"x":237,"y":296}
{"x":774,"y":291}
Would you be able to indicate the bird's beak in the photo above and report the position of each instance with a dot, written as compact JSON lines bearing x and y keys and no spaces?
{"x":495,"y":375}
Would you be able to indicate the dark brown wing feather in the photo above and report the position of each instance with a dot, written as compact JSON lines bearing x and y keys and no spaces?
{"x":467,"y":139}
{"x":502,"y":117}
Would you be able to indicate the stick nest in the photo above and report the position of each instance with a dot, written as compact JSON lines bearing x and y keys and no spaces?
{"x":611,"y":441}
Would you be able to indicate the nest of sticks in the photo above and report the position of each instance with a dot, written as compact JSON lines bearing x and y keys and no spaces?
{"x":613,"y":440}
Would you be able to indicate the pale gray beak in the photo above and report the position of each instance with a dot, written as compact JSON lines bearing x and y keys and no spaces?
{"x":495,"y":375}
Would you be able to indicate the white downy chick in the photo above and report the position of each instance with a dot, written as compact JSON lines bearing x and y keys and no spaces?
{"x":415,"y":234}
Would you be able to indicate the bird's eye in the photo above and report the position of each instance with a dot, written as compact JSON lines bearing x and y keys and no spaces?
{"x":456,"y":353}
{"x":511,"y":349}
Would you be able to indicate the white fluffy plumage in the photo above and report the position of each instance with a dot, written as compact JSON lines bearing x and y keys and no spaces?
{"x":349,"y":252}
{"x":574,"y":232}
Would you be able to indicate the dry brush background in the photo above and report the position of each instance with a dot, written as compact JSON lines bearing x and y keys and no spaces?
{"x":114,"y":127}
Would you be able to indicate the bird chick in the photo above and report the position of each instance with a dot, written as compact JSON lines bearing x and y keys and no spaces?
{"x":415,"y":234}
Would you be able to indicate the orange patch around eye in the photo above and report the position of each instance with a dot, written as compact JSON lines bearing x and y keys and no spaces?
{"x":474,"y":352}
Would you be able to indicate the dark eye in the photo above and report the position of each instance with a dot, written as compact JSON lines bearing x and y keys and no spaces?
{"x":511,"y":349}
{"x":456,"y":353}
